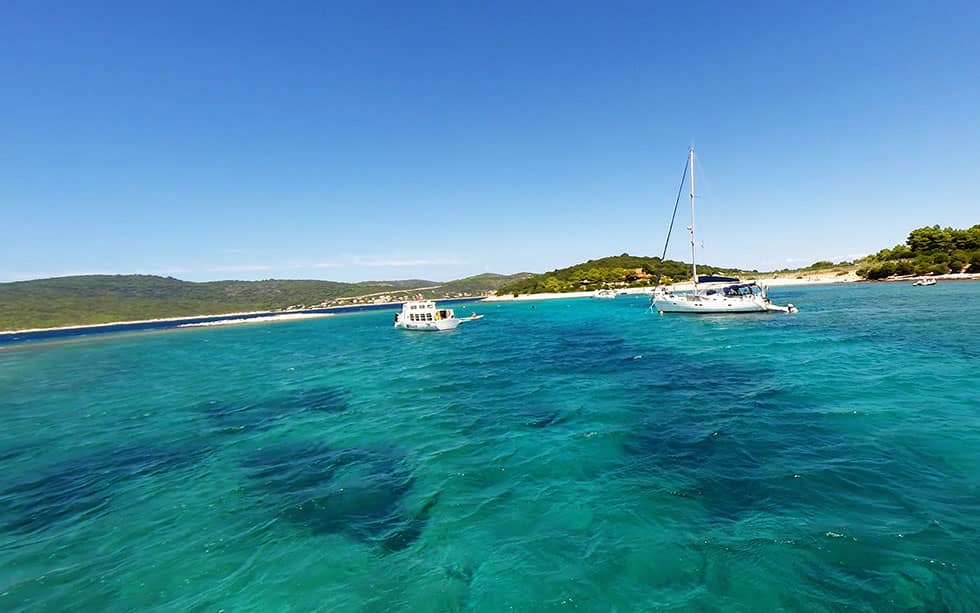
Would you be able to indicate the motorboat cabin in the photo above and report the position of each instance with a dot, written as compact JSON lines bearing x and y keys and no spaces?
{"x":425,"y":315}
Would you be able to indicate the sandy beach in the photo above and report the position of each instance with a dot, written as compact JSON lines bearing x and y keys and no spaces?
{"x":768,"y":281}
{"x":783,"y":281}
{"x":264,"y":316}
{"x":763,"y":280}
{"x":227,"y":318}
{"x":257,"y":320}
{"x":132,"y":321}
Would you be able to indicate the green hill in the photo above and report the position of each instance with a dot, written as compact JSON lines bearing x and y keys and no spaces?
{"x":95,"y":299}
{"x":618,"y":271}
{"x":481,"y":283}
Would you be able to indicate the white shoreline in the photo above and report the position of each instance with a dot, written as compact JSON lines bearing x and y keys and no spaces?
{"x":187,"y":318}
{"x":769,"y":282}
{"x":129,"y":322}
{"x":257,"y":320}
{"x":217,"y":316}
{"x":762,"y":280}
{"x":775,"y":281}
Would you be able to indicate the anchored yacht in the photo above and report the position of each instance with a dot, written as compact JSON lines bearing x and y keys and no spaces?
{"x":709,"y":293}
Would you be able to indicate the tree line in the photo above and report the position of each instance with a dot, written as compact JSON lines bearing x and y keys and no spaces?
{"x":929,"y":250}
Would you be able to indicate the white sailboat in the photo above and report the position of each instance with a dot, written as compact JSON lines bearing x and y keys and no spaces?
{"x":713,"y":294}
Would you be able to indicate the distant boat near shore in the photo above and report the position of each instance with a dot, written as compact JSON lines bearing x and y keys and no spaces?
{"x":924,"y":282}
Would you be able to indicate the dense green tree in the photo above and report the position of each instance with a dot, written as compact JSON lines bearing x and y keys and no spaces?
{"x":929,"y":250}
{"x":930,"y":239}
{"x":621,"y":269}
{"x":901,"y":252}
{"x":975,"y":261}
{"x":968,"y":239}
{"x":921,"y":265}
{"x":904,"y":267}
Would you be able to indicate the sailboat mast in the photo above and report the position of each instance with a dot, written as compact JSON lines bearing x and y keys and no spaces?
{"x":694,"y":266}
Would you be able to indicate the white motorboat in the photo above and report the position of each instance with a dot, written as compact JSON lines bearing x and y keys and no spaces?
{"x":605,"y":293}
{"x":709,"y":293}
{"x":924,"y":282}
{"x":426,"y":316}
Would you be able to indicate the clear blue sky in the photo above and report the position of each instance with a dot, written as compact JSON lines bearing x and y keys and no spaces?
{"x":376,"y":140}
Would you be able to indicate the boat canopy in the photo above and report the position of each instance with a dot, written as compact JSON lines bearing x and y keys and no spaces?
{"x":717,"y":279}
{"x":742,"y":289}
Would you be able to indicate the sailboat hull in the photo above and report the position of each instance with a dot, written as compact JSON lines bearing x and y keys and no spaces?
{"x":690,"y":303}
{"x":700,"y":304}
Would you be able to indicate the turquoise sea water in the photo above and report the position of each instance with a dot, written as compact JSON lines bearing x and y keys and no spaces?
{"x":563,"y":455}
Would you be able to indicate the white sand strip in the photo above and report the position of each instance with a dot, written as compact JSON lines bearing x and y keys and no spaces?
{"x":256,"y":320}
{"x":129,"y":322}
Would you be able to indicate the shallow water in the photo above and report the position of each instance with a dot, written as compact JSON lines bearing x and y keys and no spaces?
{"x":574,"y":454}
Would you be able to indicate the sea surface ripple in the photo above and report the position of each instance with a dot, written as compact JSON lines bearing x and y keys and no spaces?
{"x":559,"y":455}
